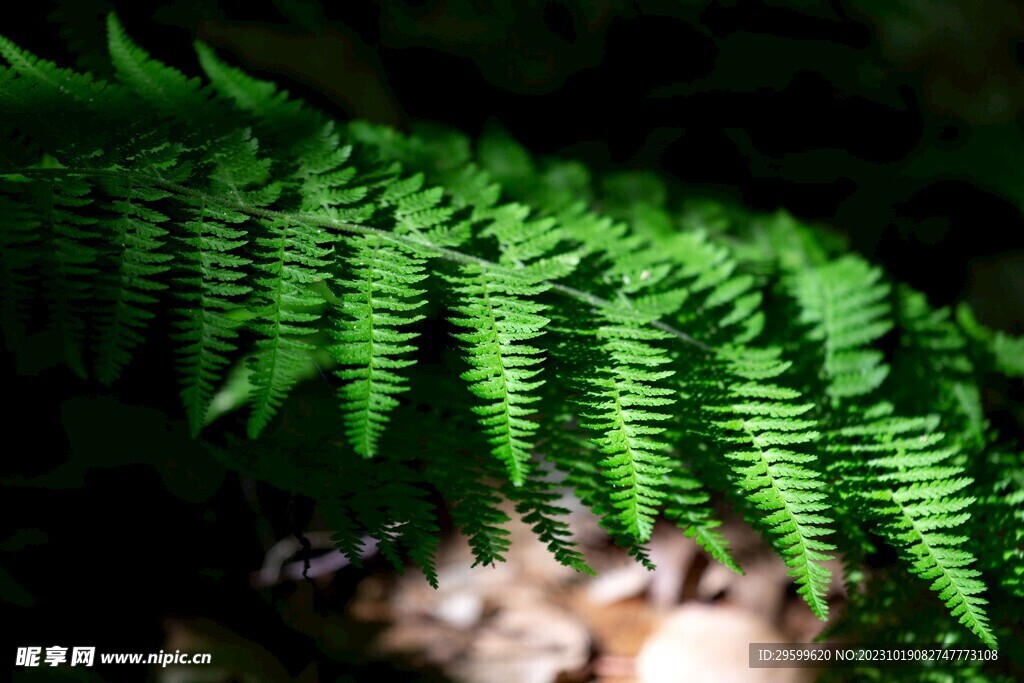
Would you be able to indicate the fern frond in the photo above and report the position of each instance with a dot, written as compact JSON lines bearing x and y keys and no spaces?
{"x":729,"y":309}
{"x":72,"y":232}
{"x":766,"y":428}
{"x":537,"y":502}
{"x":880,"y":614}
{"x":911,"y":487}
{"x":415,"y":526}
{"x":1005,"y":352}
{"x":161,"y":86}
{"x":371,"y":347}
{"x":579,"y":462}
{"x":292,"y":258}
{"x":346,"y":534}
{"x":845,"y":304}
{"x":295,"y":258}
{"x":500,"y":318}
{"x":500,"y":311}
{"x":474,"y":502}
{"x":1008,"y":499}
{"x":936,"y":363}
{"x":20,"y":258}
{"x":625,"y":401}
{"x":282,"y":115}
{"x":48,"y":76}
{"x":210,"y":285}
{"x":624,"y":394}
{"x":998,"y":522}
{"x":686,"y":504}
{"x":642,"y":273}
{"x":897,"y":470}
{"x":136,"y":236}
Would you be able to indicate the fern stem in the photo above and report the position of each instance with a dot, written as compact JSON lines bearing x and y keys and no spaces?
{"x":355,"y":228}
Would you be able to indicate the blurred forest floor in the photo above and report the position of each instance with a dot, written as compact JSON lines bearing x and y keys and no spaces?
{"x":530,"y":619}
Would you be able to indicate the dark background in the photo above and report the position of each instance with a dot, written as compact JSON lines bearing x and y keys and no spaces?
{"x":898,"y":122}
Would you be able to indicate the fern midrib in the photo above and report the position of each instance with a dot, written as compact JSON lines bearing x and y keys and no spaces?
{"x":313,"y":221}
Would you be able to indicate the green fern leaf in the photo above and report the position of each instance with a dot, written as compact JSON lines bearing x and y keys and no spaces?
{"x":47,"y":76}
{"x":912,"y":489}
{"x":765,"y":423}
{"x":159,"y":85}
{"x":937,"y":364}
{"x":137,"y":238}
{"x":293,"y":258}
{"x":210,"y":287}
{"x":1005,"y":351}
{"x":474,"y":503}
{"x":20,"y":260}
{"x":911,"y":475}
{"x":261,"y":98}
{"x":371,"y":347}
{"x":72,"y":232}
{"x":503,"y":369}
{"x":537,"y":503}
{"x":686,"y":504}
{"x":845,"y":303}
{"x":624,"y":402}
